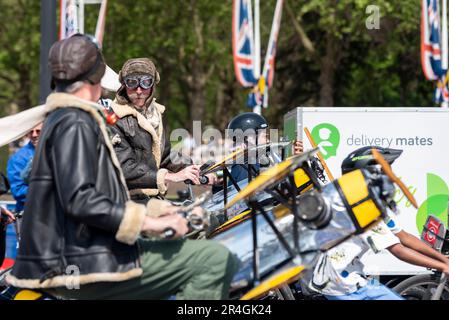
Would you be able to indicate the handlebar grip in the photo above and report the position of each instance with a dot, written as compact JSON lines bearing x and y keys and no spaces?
{"x":204,"y":179}
{"x":168,"y":233}
{"x":195,"y":224}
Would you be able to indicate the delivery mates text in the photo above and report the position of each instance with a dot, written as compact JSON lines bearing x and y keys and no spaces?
{"x":365,"y":140}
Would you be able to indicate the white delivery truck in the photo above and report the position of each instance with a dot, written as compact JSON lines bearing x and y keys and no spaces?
{"x":422,"y":134}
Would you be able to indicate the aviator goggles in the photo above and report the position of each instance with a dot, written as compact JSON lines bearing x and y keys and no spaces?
{"x":145,"y":82}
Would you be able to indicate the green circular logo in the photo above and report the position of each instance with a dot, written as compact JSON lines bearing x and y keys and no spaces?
{"x":327,"y":138}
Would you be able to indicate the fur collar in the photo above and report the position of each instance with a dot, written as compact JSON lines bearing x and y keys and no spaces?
{"x":62,"y":281}
{"x":65,"y":100}
{"x":123,"y":110}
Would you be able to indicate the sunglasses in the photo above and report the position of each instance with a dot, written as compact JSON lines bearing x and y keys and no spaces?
{"x":34,"y":132}
{"x":145,"y":82}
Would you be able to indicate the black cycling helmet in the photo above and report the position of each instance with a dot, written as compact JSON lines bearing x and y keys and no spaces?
{"x":248,"y":120}
{"x":363,"y":158}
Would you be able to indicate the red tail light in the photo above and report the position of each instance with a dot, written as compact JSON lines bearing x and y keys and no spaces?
{"x":434,"y":232}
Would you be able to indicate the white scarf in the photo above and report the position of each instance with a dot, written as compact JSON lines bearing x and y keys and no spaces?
{"x":17,"y":125}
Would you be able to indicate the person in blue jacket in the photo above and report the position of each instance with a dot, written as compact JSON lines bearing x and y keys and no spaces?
{"x":19,"y":168}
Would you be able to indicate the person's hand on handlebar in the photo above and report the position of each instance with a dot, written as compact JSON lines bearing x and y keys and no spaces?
{"x":161,"y":217}
{"x":10,"y":216}
{"x":213,"y":179}
{"x":189,"y":173}
{"x":156,"y":226}
{"x":198,"y":212}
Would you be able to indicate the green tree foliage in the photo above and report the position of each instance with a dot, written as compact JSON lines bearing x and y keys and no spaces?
{"x":355,"y":65}
{"x":19,"y":54}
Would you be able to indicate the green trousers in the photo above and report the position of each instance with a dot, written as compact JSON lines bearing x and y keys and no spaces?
{"x":189,"y":269}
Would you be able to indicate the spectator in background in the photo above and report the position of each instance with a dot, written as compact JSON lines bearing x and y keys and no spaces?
{"x":19,"y":167}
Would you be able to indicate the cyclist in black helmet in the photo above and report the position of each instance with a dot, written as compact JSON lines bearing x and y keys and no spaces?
{"x":363,"y":158}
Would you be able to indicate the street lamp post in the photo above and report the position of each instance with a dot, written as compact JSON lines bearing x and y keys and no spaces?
{"x":48,"y":37}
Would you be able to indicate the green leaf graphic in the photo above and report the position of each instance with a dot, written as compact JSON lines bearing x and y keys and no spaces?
{"x":436,"y":203}
{"x":436,"y":185}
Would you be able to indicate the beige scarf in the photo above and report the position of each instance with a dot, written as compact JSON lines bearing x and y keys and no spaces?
{"x":153,"y":116}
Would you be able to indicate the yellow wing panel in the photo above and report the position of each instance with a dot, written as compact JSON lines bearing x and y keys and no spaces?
{"x":27,"y":295}
{"x":366,"y":213}
{"x":354,"y":186}
{"x":274,"y":282}
{"x":301,"y":177}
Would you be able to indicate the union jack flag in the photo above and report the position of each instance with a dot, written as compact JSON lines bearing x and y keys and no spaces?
{"x":442,"y":91}
{"x":243,"y":43}
{"x":431,"y":40}
{"x":431,"y":53}
{"x":268,"y":70}
{"x":254,"y":98}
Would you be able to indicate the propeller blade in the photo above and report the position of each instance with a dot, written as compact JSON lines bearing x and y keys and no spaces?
{"x":223,"y":162}
{"x":389,"y":172}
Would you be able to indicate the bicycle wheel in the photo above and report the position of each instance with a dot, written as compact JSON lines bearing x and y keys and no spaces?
{"x":286,"y":293}
{"x":421,"y":287}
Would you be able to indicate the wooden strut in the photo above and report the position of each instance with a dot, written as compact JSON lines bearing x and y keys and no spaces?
{"x":320,"y":157}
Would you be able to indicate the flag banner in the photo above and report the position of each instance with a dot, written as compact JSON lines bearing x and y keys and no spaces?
{"x":444,"y":37}
{"x":69,"y":26}
{"x":68,"y":18}
{"x":431,"y":40}
{"x":268,"y":69}
{"x":99,"y":30}
{"x":254,"y":99}
{"x":442,"y":92}
{"x":243,"y":43}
